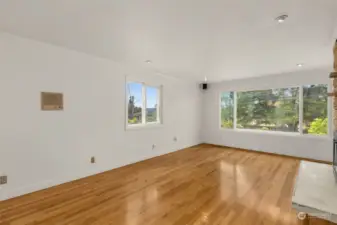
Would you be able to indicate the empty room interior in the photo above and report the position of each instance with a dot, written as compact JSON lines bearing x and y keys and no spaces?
{"x":168,"y":112}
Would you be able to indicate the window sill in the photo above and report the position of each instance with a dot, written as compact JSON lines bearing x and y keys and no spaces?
{"x":278,"y":133}
{"x":144,"y":126}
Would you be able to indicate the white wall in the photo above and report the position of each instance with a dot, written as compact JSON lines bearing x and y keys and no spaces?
{"x":39,"y":149}
{"x":301,"y":146}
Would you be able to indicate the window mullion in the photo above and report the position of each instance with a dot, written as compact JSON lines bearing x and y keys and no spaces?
{"x":330,"y":113}
{"x":143,"y":104}
{"x":300,"y":105}
{"x":158,"y":105}
{"x":220,"y":111}
{"x":235,"y":111}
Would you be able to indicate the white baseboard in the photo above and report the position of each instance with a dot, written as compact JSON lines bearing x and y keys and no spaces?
{"x":4,"y":195}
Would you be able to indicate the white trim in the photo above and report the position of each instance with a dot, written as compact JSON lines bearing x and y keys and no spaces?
{"x":161,"y":105}
{"x":269,"y":132}
{"x":278,"y":133}
{"x":22,"y":190}
{"x":330,"y":112}
{"x":158,"y":105}
{"x":144,"y":102}
{"x":325,"y":136}
{"x":235,"y":108}
{"x":126,"y":95}
{"x":219,"y":111}
{"x":144,"y":126}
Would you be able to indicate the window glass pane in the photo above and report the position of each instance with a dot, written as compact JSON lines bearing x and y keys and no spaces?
{"x":227,"y":109}
{"x":315,"y":109}
{"x":151,"y":104}
{"x":272,"y":110}
{"x":134,"y":98}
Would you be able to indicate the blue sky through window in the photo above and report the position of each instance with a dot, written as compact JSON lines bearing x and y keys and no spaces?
{"x":135,"y":89}
{"x":151,"y":97}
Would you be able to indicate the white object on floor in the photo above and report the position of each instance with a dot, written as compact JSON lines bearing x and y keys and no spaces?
{"x":315,"y":191}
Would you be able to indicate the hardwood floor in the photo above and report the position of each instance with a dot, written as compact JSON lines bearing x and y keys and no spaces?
{"x":199,"y":185}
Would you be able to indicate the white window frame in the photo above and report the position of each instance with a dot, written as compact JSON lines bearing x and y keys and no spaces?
{"x":300,"y":133}
{"x":144,"y":124}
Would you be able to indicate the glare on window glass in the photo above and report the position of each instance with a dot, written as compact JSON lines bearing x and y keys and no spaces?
{"x":270,"y":110}
{"x":227,"y":107}
{"x":134,"y":93}
{"x":151,"y":104}
{"x":315,"y":109}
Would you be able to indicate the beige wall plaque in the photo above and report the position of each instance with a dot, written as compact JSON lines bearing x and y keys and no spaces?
{"x":51,"y":101}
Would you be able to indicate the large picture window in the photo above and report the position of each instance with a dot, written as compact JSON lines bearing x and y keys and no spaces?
{"x":274,"y":110}
{"x":143,"y":104}
{"x":297,"y":110}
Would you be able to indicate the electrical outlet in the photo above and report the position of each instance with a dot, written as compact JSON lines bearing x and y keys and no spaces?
{"x":93,"y":160}
{"x":3,"y":180}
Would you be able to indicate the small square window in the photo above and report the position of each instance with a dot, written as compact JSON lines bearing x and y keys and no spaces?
{"x":143,"y":104}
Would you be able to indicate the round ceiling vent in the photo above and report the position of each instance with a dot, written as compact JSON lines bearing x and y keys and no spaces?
{"x":282,"y":18}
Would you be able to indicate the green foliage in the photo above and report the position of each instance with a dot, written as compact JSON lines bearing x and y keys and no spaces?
{"x":133,"y":121}
{"x":133,"y":111}
{"x":319,"y":126}
{"x":314,"y":102}
{"x":315,"y":110}
{"x":227,"y":124}
{"x":277,"y":109}
{"x":227,"y":107}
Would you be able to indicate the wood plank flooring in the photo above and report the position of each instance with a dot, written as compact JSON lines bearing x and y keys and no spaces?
{"x":199,"y":185}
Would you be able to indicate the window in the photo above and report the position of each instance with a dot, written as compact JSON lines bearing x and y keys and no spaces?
{"x":135,"y":104}
{"x":280,"y":109}
{"x":227,"y":110}
{"x":152,"y":95}
{"x":274,"y":109}
{"x":143,"y":104}
{"x":315,"y":109}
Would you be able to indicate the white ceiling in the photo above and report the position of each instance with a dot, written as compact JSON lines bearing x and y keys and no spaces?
{"x":220,"y":39}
